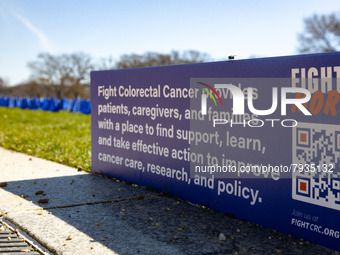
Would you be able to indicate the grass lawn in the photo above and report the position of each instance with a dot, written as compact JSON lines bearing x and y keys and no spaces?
{"x":61,"y":137}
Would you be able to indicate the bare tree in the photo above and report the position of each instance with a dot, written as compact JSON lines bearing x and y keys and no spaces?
{"x":3,"y":87}
{"x":322,"y":34}
{"x":33,"y":88}
{"x":159,"y":59}
{"x":105,"y":64}
{"x":62,"y":71}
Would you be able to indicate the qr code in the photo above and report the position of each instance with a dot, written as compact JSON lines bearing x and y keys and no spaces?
{"x":317,"y":145}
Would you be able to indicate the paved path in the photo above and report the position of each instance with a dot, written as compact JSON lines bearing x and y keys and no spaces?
{"x":87,"y":214}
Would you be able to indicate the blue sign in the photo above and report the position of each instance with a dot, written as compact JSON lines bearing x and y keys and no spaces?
{"x":257,"y":138}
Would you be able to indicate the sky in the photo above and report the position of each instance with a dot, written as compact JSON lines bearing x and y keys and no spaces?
{"x":111,"y":28}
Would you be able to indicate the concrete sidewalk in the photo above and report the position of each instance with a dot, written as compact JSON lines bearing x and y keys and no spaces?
{"x":87,"y":214}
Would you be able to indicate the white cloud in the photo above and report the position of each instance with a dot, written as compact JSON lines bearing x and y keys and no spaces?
{"x":41,"y":36}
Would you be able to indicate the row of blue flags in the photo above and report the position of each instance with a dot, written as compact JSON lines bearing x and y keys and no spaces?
{"x":47,"y":104}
